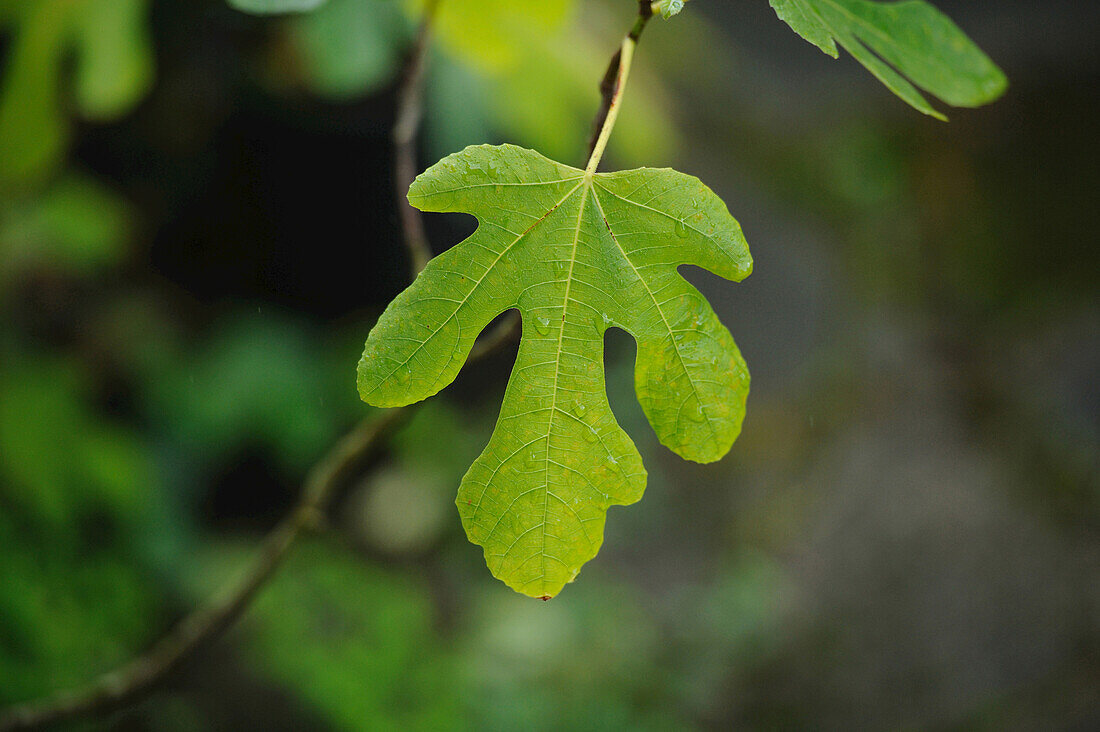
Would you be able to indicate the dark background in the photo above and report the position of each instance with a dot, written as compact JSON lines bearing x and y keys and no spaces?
{"x":904,"y":536}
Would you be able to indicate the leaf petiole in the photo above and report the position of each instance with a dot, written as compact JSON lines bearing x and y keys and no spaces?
{"x":626,"y":55}
{"x":620,"y":70}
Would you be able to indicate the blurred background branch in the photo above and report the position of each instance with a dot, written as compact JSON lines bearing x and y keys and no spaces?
{"x":410,"y":111}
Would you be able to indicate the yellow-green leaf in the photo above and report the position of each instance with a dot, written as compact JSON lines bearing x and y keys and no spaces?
{"x":576,"y":255}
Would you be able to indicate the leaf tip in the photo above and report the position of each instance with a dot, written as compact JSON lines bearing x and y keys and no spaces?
{"x":995,"y":86}
{"x":746,"y":268}
{"x":375,"y":391}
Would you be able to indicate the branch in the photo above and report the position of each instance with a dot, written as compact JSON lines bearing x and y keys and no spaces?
{"x":410,"y":110}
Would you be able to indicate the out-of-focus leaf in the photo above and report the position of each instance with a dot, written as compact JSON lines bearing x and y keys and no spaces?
{"x":576,"y":253}
{"x":273,"y":7}
{"x":916,"y":46}
{"x":33,"y":131}
{"x":67,"y":614}
{"x":550,"y":54}
{"x":568,"y":72}
{"x":115,"y":65}
{"x":458,"y":113}
{"x":400,"y":509}
{"x":76,"y":226}
{"x":405,"y":507}
{"x":499,"y":61}
{"x":75,"y":491}
{"x":439,"y":439}
{"x":491,"y":33}
{"x":352,"y":47}
{"x":594,"y":662}
{"x":114,"y":69}
{"x":734,"y":621}
{"x":256,"y":379}
{"x":355,"y":642}
{"x":58,"y":461}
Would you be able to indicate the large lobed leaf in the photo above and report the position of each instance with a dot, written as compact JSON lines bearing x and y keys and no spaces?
{"x":576,"y":255}
{"x":906,"y":45}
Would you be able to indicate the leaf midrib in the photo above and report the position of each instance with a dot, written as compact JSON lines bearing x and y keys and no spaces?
{"x":587,"y":184}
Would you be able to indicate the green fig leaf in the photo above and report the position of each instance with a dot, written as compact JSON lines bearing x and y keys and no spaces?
{"x":576,"y":254}
{"x":906,"y":45}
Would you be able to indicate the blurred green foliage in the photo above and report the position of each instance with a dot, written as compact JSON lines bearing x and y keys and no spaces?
{"x":60,"y":461}
{"x":367,"y":648}
{"x":350,"y":47}
{"x":113,"y":70}
{"x":76,"y":226}
{"x":258,"y":379}
{"x":75,"y":491}
{"x":497,"y":52}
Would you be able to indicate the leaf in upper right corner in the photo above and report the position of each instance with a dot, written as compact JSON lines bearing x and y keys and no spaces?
{"x":906,"y":45}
